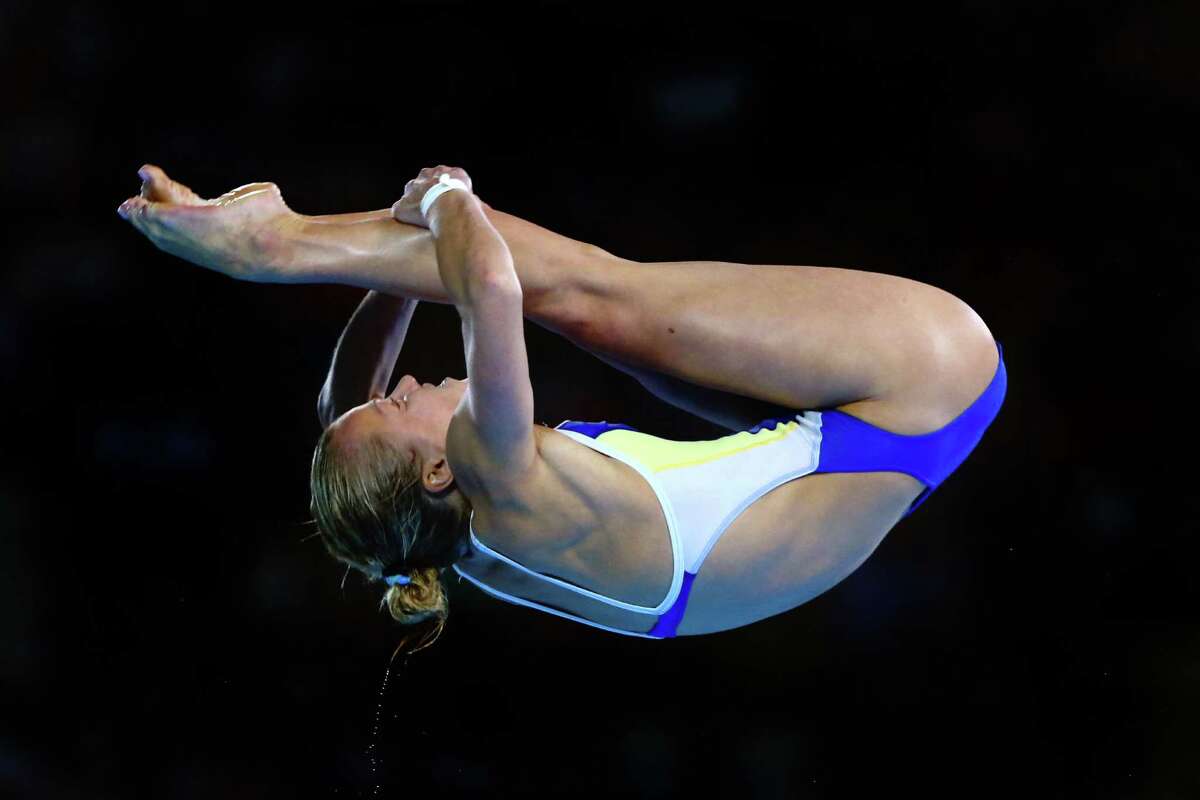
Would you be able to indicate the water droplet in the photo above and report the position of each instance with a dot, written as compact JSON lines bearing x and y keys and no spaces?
{"x":371,"y":748}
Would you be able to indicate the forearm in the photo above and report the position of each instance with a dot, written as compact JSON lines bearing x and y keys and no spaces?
{"x":471,"y":254}
{"x":366,"y":353}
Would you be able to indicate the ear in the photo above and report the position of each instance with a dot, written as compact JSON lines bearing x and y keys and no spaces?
{"x":436,"y":476}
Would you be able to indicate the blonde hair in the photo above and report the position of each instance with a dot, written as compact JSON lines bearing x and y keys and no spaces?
{"x":374,"y":513}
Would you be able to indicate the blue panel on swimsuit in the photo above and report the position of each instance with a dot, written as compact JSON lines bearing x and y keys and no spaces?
{"x":590,"y":429}
{"x":849,"y":444}
{"x":769,"y":424}
{"x":668,"y":621}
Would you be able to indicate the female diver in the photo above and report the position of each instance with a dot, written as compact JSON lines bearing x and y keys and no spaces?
{"x":849,"y":397}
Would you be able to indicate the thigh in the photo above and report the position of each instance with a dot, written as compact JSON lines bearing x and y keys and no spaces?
{"x":730,"y":411}
{"x":896,"y":352}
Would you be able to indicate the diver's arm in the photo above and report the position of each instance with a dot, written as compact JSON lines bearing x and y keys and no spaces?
{"x":365,"y":354}
{"x":477,"y":271}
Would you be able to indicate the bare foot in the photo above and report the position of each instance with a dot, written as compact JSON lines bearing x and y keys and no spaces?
{"x":235,"y":234}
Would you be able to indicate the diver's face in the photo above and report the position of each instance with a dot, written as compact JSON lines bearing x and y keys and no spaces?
{"x":416,"y":416}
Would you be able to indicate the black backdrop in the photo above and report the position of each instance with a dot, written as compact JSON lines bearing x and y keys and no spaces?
{"x":167,"y":630}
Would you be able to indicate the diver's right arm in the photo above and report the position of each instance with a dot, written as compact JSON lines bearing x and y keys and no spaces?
{"x":473,"y":260}
{"x":477,"y":271}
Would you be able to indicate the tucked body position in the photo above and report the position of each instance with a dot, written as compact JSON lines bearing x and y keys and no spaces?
{"x":848,"y":397}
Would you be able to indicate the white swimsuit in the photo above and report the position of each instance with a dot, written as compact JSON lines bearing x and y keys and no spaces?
{"x":702,"y":486}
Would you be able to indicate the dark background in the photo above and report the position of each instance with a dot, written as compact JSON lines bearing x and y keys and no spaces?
{"x":166,"y":629}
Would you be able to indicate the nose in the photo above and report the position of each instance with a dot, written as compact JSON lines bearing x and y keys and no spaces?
{"x":405,"y":385}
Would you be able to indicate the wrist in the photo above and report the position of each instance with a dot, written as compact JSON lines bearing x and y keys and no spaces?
{"x":444,"y":184}
{"x":449,"y":205}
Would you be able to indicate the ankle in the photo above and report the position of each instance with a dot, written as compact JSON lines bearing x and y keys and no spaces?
{"x":276,"y":245}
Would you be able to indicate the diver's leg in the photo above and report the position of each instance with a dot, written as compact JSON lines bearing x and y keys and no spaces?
{"x":905,"y":355}
{"x":547,"y":264}
{"x":373,"y":251}
{"x":898,"y":353}
{"x":249,"y":233}
{"x":730,"y":411}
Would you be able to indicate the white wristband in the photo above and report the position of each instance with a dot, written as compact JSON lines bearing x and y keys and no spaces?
{"x":445,"y":184}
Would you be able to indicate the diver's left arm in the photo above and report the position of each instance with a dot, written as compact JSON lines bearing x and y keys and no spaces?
{"x":365,"y":355}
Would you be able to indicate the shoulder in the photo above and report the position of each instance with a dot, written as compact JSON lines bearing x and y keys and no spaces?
{"x":481,"y":475}
{"x":524,"y":512}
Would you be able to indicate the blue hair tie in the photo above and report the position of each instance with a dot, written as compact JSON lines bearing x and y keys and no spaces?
{"x":397,"y":580}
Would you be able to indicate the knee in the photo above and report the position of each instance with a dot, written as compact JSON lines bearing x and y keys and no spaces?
{"x":585,"y":304}
{"x":577,"y":315}
{"x":576,"y":293}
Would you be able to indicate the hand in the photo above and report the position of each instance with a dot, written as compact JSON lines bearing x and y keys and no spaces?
{"x":408,"y":208}
{"x":236,"y":234}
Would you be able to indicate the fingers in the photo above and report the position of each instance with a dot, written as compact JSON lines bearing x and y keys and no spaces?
{"x":407,"y":208}
{"x":433,"y":173}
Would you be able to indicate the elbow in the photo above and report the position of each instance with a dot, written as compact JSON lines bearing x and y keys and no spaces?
{"x":489,"y":281}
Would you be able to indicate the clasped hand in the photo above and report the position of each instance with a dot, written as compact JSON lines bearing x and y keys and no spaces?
{"x":408,"y":208}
